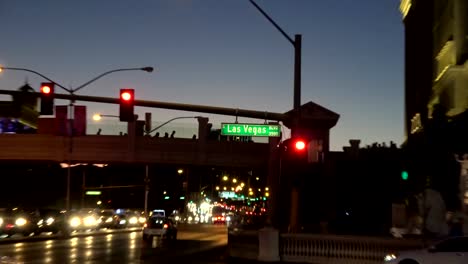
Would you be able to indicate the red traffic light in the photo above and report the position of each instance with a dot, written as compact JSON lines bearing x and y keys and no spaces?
{"x":47,"y":98}
{"x":45,"y":89}
{"x":126,"y":96}
{"x":300,"y":145}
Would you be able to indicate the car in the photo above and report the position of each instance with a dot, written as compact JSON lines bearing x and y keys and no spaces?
{"x":452,"y":250}
{"x":51,"y":220}
{"x":18,"y":221}
{"x":83,"y":219}
{"x":159,"y":226}
{"x":219,"y":219}
{"x":107,"y":219}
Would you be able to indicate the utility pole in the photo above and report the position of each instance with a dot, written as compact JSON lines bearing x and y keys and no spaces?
{"x":297,"y":44}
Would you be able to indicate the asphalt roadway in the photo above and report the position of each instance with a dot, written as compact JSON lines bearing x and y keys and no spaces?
{"x":194,"y":244}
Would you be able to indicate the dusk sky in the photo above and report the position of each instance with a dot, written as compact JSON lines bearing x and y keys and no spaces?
{"x":218,"y":53}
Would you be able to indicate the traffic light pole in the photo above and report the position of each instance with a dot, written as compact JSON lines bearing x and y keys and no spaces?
{"x":264,"y":115}
{"x":70,"y":109}
{"x":297,"y":44}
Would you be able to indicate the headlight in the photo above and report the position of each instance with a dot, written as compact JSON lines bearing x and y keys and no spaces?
{"x":228,"y":218}
{"x":122,"y":222}
{"x":20,"y":221}
{"x":90,"y":221}
{"x":50,"y":220}
{"x":390,"y":257}
{"x":75,"y":221}
{"x":133,"y":220}
{"x":142,"y":220}
{"x":108,"y":220}
{"x":177,"y":218}
{"x":1,"y":221}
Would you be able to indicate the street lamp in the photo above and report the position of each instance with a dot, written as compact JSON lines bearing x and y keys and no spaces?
{"x":72,"y":91}
{"x":98,"y":117}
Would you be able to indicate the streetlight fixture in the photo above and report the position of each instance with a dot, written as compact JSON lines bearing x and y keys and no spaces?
{"x":98,"y":117}
{"x":72,"y":91}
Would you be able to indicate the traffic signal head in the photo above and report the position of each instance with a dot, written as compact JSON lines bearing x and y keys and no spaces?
{"x":47,"y":98}
{"x":404,"y":175}
{"x":296,"y":148}
{"x":299,"y":145}
{"x":126,"y":101}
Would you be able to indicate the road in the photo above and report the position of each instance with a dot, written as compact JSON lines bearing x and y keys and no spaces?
{"x":122,"y":247}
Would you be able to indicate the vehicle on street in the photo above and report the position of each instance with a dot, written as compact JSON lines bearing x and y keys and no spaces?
{"x":83,"y":219}
{"x":451,"y":250}
{"x":162,"y":227}
{"x":219,"y":219}
{"x":51,"y":220}
{"x":18,"y":221}
{"x":107,"y":218}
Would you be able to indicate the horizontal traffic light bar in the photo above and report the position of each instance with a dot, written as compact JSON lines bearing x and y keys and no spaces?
{"x":173,"y":106}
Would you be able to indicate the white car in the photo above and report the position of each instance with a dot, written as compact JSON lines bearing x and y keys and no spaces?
{"x":159,"y":226}
{"x":451,"y":250}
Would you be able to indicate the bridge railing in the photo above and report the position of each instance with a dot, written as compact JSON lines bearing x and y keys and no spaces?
{"x":318,"y":248}
{"x":313,"y":248}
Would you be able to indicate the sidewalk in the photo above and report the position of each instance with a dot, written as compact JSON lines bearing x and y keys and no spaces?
{"x":217,"y":255}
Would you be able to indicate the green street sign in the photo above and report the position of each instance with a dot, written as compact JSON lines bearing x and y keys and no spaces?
{"x":251,"y":130}
{"x":93,"y":192}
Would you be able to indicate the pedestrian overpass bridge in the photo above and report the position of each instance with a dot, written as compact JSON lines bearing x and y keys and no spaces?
{"x":125,"y":149}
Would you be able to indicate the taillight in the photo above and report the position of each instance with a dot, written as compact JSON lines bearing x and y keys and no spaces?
{"x":165,"y":226}
{"x":145,"y":225}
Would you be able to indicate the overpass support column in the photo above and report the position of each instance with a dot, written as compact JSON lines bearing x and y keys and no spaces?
{"x":202,"y":138}
{"x":268,"y":237}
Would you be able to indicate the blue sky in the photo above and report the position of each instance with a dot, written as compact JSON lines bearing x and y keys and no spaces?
{"x":219,"y":53}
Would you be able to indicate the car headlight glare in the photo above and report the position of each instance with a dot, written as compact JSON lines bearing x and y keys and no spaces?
{"x":90,"y":221}
{"x":390,"y":257}
{"x":75,"y":221}
{"x":50,"y":220}
{"x":20,"y":221}
{"x":133,"y":220}
{"x":142,"y":220}
{"x":1,"y":221}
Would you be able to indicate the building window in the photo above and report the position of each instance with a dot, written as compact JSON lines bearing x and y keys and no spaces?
{"x":416,"y":124}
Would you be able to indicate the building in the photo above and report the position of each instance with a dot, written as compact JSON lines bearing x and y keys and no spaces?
{"x":436,"y":52}
{"x":436,"y":93}
{"x":19,"y":115}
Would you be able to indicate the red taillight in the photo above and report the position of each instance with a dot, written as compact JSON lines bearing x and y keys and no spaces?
{"x":165,"y":226}
{"x":9,"y":226}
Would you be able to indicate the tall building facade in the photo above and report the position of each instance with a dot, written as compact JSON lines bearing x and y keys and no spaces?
{"x":436,"y":53}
